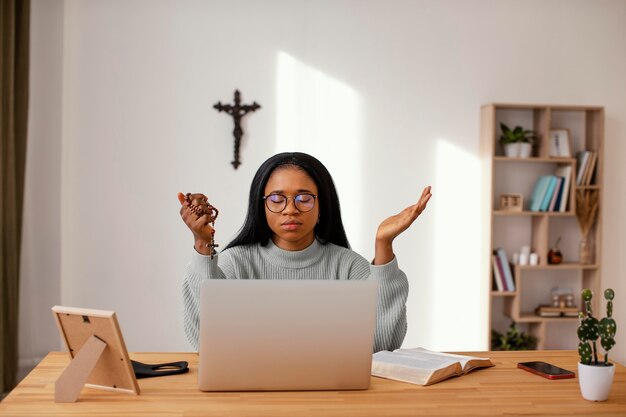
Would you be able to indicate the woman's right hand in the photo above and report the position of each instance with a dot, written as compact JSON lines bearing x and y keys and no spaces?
{"x":200,"y":226}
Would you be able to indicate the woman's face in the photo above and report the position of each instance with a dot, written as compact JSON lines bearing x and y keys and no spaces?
{"x":292,"y":229}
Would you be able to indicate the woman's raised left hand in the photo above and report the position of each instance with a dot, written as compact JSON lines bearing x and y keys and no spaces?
{"x":391,"y":227}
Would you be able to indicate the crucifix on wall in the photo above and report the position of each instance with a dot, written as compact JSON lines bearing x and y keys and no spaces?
{"x":237,"y":111}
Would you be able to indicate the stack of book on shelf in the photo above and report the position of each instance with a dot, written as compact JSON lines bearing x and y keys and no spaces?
{"x":502,"y":274}
{"x":586,"y":166}
{"x":551,"y":311}
{"x":551,"y":192}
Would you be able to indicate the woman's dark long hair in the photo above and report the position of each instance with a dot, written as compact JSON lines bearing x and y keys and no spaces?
{"x":329,"y":228}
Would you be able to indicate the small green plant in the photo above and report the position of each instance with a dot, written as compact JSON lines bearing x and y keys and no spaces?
{"x":513,"y":339}
{"x":591,"y":328}
{"x":517,"y":135}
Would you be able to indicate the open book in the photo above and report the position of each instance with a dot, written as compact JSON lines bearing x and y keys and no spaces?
{"x":423,"y":367}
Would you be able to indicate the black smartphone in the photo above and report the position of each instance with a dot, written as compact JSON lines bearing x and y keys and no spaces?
{"x":546,"y":370}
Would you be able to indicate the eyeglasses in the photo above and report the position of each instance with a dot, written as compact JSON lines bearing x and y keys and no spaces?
{"x":276,"y":203}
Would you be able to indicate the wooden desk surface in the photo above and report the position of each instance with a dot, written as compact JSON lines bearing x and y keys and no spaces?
{"x":500,"y":390}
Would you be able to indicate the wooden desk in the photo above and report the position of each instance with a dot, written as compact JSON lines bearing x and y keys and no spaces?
{"x":500,"y":390}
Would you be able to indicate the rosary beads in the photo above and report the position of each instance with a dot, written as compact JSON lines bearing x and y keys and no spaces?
{"x":201,"y":211}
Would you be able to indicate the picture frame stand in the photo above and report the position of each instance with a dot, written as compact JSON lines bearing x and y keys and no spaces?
{"x":68,"y":386}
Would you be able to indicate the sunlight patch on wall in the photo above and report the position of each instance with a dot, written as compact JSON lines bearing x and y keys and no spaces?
{"x":320,"y":115}
{"x":459,"y":296}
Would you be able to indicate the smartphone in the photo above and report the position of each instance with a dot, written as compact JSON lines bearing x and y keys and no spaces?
{"x":546,"y":370}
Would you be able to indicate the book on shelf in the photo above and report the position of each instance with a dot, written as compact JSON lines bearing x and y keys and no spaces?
{"x":582,"y":158}
{"x":558,"y":190}
{"x":541,"y":187}
{"x":547,"y":197}
{"x":507,"y":274}
{"x":591,"y":165}
{"x":497,"y":274}
{"x":422,"y":366}
{"x":564,"y":171}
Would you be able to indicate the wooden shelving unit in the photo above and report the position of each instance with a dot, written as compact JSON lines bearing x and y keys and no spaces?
{"x":539,"y":230}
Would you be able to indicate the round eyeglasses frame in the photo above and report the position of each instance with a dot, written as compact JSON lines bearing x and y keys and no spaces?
{"x":296,"y":201}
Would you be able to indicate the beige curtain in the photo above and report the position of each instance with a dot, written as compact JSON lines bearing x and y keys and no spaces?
{"x":14,"y":29}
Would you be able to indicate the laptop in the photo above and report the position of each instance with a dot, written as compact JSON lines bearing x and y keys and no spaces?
{"x":282,"y":335}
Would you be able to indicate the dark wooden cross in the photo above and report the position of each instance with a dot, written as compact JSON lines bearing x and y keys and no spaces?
{"x":237,"y":112}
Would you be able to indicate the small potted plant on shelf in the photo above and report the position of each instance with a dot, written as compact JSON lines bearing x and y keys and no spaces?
{"x":596,"y":376}
{"x":517,"y":143}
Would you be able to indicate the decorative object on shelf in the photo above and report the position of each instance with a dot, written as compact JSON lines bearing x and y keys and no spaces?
{"x":511,"y":202}
{"x":596,"y":376}
{"x":586,"y":214}
{"x":562,"y":297}
{"x":513,"y":339}
{"x":554,"y":255}
{"x":523,"y":257}
{"x":561,"y":304}
{"x":518,"y":142}
{"x":237,"y":111}
{"x":559,"y":143}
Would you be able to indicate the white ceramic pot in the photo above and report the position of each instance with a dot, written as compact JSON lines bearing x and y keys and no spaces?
{"x":512,"y":150}
{"x":595,"y":381}
{"x":525,"y":149}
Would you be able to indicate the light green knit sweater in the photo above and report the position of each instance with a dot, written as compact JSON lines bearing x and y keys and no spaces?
{"x":315,"y":262}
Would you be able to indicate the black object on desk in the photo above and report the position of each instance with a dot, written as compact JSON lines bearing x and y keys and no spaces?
{"x":146,"y":370}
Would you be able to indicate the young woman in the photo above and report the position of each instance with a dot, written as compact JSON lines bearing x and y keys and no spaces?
{"x":293,"y":230}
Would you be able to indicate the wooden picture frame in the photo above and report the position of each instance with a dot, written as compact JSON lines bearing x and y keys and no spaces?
{"x":559,"y":143}
{"x":511,"y":202}
{"x":99,"y":357}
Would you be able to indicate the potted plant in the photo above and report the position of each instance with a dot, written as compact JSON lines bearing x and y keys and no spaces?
{"x":596,"y":376}
{"x":518,"y":142}
{"x":513,"y":339}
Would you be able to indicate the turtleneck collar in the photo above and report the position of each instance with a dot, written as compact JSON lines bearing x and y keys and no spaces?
{"x":292,"y":259}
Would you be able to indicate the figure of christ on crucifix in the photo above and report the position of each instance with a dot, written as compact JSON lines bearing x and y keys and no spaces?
{"x":237,"y":112}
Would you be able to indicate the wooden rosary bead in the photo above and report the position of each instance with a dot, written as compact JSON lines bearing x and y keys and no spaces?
{"x":200,"y":211}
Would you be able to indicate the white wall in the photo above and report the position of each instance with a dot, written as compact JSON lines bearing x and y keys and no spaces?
{"x":386,"y":94}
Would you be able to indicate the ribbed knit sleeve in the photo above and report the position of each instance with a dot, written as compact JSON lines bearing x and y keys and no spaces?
{"x":393,"y":292}
{"x":200,"y":269}
{"x":315,"y":262}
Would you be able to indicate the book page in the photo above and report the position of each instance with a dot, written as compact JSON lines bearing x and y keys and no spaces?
{"x":425,"y":362}
{"x":438,"y":359}
{"x":425,"y":359}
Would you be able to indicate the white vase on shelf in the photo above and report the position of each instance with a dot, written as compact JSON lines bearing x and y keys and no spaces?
{"x":525,"y":149}
{"x":512,"y":150}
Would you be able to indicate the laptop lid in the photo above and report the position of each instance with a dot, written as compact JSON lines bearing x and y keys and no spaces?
{"x":263,"y":335}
